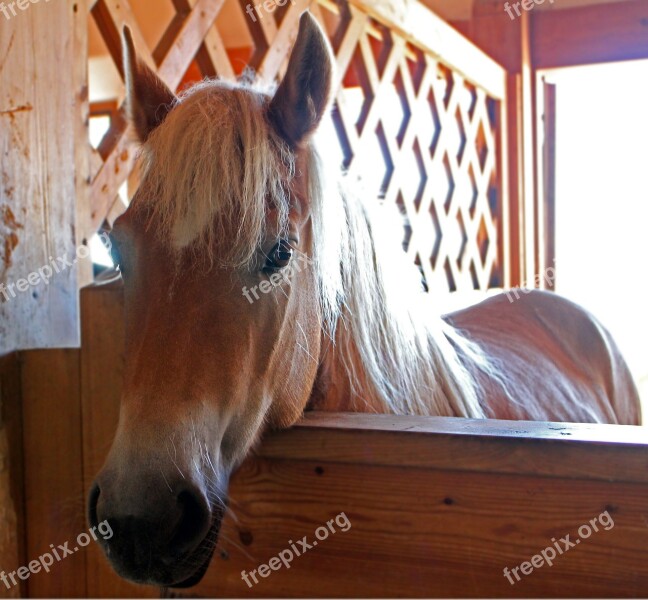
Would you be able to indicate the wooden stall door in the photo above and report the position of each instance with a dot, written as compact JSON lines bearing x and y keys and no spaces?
{"x":438,"y":507}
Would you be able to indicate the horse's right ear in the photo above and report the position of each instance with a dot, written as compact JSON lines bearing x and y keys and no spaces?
{"x":304,"y":94}
{"x":148,"y":99}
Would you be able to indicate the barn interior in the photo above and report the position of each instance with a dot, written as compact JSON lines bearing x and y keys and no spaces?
{"x":511,"y":137}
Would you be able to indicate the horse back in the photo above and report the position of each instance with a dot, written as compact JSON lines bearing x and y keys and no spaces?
{"x":547,"y":359}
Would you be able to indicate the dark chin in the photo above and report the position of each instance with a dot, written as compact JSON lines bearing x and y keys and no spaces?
{"x":196,"y":578}
{"x":206,"y":551}
{"x":175,"y":576}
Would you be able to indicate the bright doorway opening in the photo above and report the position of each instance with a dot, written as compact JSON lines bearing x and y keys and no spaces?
{"x":602,"y":200}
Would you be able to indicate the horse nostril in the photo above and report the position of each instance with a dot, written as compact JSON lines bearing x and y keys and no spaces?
{"x":194,"y":523}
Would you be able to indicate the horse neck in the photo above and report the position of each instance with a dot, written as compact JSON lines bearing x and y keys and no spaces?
{"x":387,"y":354}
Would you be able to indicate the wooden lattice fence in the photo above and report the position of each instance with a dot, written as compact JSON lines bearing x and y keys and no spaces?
{"x":418,"y":117}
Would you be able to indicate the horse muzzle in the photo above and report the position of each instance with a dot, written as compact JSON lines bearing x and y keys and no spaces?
{"x":161,"y":535}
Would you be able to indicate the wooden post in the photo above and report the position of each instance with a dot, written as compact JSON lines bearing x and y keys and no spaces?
{"x":12,"y":523}
{"x":38,"y":109}
{"x":508,"y":42}
{"x":82,"y":149}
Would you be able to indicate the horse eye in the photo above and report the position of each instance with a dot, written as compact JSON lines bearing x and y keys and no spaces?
{"x":279,"y":256}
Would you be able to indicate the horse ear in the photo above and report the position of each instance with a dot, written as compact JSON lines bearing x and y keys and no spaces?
{"x":148,"y":99}
{"x":303,"y":96}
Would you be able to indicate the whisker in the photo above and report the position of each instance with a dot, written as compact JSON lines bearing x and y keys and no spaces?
{"x":165,"y":480}
{"x":240,"y":548}
{"x":173,"y":459}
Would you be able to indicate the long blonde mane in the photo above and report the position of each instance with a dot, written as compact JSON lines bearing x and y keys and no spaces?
{"x":208,"y":174}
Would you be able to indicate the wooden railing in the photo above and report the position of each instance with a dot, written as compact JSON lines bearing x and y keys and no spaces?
{"x":439,"y":507}
{"x":418,"y":117}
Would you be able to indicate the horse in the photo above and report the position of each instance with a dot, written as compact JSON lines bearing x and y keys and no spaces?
{"x":257,"y":286}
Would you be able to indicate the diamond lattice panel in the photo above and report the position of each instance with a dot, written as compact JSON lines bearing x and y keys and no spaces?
{"x":412,"y":129}
{"x":441,"y":151}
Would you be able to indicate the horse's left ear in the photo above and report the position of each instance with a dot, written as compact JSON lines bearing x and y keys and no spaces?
{"x":148,"y":99}
{"x":303,"y":95}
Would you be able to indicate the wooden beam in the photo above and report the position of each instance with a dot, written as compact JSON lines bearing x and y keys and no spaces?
{"x":606,"y":452}
{"x":82,"y":148}
{"x":507,"y":238}
{"x":38,"y":121}
{"x":590,"y":34}
{"x":530,"y":240}
{"x":549,"y":123}
{"x":418,"y":24}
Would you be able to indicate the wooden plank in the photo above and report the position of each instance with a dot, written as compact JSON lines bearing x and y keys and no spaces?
{"x":102,"y":360}
{"x":486,"y":428}
{"x":213,"y":56}
{"x":354,"y":30}
{"x":549,"y":123}
{"x":419,"y":532}
{"x":37,"y":177}
{"x":505,"y":237}
{"x":191,"y":36}
{"x":54,"y":495}
{"x":516,"y":179}
{"x":82,"y":148}
{"x":423,"y":28}
{"x":606,"y":452}
{"x":529,"y":162}
{"x":590,"y":34}
{"x":12,"y":514}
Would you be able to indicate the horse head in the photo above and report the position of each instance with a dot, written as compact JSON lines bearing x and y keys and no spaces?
{"x":222,"y":318}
